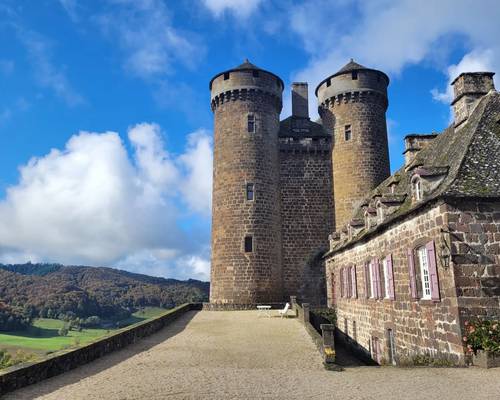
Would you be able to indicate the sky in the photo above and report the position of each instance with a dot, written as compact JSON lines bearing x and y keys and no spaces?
{"x":105,"y":121}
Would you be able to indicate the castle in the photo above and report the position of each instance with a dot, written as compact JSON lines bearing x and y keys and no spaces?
{"x":309,"y":209}
{"x":277,"y":194}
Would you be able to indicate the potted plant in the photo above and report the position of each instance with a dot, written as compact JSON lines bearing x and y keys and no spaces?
{"x":482,"y":341}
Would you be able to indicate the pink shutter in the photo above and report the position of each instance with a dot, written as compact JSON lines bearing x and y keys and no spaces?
{"x":367,"y":280}
{"x":341,"y":282}
{"x":378,"y":288}
{"x":413,"y":278}
{"x":348,"y":281}
{"x":433,"y":276}
{"x":354,"y":290}
{"x":390,"y":277}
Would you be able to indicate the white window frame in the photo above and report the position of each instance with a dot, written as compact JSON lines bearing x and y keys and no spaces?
{"x":423,"y":264}
{"x":385,"y":271}
{"x":373,"y":289}
{"x":380,"y":213}
{"x":417,"y":188}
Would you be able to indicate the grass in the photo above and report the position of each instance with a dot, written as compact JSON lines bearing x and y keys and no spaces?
{"x":43,"y":336}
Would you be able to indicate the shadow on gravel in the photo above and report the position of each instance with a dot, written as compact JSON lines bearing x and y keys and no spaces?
{"x":75,"y":375}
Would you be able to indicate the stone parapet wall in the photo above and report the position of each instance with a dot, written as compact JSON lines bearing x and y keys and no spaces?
{"x":26,"y":374}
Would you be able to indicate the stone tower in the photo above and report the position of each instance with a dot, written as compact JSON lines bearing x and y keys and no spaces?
{"x":246,"y":221}
{"x":352,"y":105}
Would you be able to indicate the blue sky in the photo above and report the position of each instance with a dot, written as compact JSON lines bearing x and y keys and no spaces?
{"x":105,"y":125}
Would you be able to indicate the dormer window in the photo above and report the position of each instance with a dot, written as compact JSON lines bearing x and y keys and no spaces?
{"x":380,"y":213}
{"x":367,"y":220}
{"x":417,"y":188}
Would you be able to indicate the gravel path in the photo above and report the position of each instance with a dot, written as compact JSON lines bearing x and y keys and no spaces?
{"x":237,"y":355}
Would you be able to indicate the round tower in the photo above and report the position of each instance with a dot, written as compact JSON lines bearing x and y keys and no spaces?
{"x":352,"y":105}
{"x":246,"y":225}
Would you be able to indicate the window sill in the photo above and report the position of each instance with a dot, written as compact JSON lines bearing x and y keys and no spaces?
{"x":426,"y":302}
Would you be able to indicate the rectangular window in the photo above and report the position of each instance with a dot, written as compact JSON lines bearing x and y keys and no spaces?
{"x":250,"y":191}
{"x":385,"y":268}
{"x":424,"y":272}
{"x":251,"y":123}
{"x":373,"y":283}
{"x":248,"y":244}
{"x":354,"y":75}
{"x":354,"y":331}
{"x":347,"y":133}
{"x":328,"y":83}
{"x":346,"y":327}
{"x":226,"y":76}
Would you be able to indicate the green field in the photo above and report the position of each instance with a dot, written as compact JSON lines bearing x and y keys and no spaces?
{"x":43,"y":336}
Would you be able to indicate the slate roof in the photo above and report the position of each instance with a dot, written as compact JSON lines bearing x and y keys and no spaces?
{"x":350,"y":67}
{"x":246,"y":66}
{"x":468,"y":160}
{"x":296,"y":127}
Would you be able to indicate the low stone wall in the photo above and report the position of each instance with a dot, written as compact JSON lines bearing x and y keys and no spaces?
{"x":325,"y":341}
{"x":23,"y":375}
{"x":239,"y":307}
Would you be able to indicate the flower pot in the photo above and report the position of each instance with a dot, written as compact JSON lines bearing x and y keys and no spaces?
{"x":485,"y":359}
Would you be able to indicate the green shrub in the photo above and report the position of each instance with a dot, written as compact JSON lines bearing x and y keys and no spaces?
{"x":482,"y":335}
{"x":327,"y":313}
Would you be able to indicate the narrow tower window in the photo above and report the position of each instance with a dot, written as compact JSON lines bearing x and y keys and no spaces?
{"x":328,"y":83}
{"x":251,"y":123}
{"x":248,"y":244}
{"x":347,"y":133}
{"x":226,"y":76}
{"x":250,"y":191}
{"x":354,"y":75}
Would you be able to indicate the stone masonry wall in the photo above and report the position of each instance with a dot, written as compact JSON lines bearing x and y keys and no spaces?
{"x":475,"y":250}
{"x":419,"y":326}
{"x":307,"y":218}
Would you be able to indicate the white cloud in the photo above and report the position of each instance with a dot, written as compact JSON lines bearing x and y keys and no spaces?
{"x":90,"y":203}
{"x":240,"y":8}
{"x":46,"y":72}
{"x":197,"y":164}
{"x":389,"y":34}
{"x":71,"y":8}
{"x":144,"y":31}
{"x":475,"y":61}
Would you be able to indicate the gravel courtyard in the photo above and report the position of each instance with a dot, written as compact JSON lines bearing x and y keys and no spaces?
{"x":239,"y":355}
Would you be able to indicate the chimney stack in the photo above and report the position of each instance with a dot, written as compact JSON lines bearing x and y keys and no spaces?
{"x":300,"y":104}
{"x":468,"y":88}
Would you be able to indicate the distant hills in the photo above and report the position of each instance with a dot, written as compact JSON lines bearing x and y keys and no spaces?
{"x":54,"y":290}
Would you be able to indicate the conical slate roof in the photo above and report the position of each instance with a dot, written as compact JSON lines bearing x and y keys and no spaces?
{"x":350,"y":66}
{"x":247,"y":66}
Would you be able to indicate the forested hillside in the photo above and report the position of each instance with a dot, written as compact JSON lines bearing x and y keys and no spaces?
{"x":53,"y":291}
